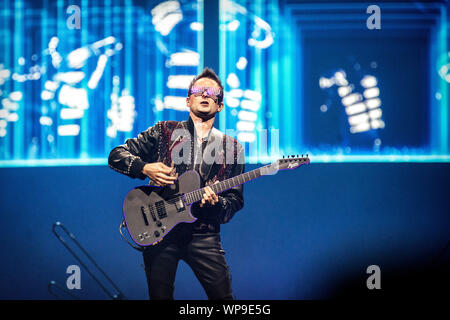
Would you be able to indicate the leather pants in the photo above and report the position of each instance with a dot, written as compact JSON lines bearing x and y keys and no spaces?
{"x":202,"y":252}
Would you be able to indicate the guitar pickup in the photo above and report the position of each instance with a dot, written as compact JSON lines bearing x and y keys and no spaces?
{"x":152,"y":212}
{"x":144,"y":215}
{"x":161,"y":209}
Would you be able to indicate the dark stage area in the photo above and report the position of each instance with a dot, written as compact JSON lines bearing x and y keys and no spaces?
{"x":310,"y":233}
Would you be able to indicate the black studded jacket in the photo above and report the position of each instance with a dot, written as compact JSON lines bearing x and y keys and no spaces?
{"x":173,"y":141}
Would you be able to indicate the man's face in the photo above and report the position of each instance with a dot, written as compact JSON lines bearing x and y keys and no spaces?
{"x":204,"y":106}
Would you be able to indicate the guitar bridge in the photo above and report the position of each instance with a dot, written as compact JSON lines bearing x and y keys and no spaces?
{"x":179,"y":204}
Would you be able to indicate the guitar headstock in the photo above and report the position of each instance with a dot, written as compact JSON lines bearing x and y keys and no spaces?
{"x":292,"y":162}
{"x":285,"y":163}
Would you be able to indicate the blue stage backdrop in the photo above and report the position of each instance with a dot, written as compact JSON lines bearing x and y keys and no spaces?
{"x":78,"y":78}
{"x":302,"y":234}
{"x":362,"y":89}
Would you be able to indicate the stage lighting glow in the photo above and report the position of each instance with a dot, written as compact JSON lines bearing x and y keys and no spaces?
{"x":51,"y":85}
{"x":187,"y":58}
{"x":233,"y":25}
{"x":180,"y":81}
{"x":368,"y":81}
{"x":73,"y":97}
{"x":250,"y":105}
{"x":196,"y":26}
{"x":247,"y":115}
{"x":101,"y":43}
{"x":98,"y":72}
{"x":252,"y":95}
{"x":166,"y":25}
{"x":245,"y":126}
{"x":121,"y":114}
{"x":371,"y":93}
{"x":373,"y":103}
{"x":166,"y":16}
{"x":47,"y":95}
{"x":377,"y":124}
{"x":363,"y":126}
{"x":69,"y":130}
{"x":357,"y":119}
{"x":340,"y":78}
{"x":164,"y":8}
{"x":246,"y":136}
{"x":68,"y":113}
{"x":242,"y":63}
{"x":19,"y":77}
{"x":351,"y":99}
{"x":232,"y":102}
{"x":233,"y":80}
{"x":235,"y":93}
{"x":56,"y":59}
{"x":355,"y":108}
{"x":9,"y":105}
{"x":344,"y":90}
{"x":77,"y":58}
{"x":325,"y":83}
{"x":70,"y":77}
{"x":12,"y":117}
{"x":268,"y":39}
{"x":375,"y":114}
{"x":16,"y":96}
{"x":4,"y":73}
{"x":176,"y":103}
{"x":45,"y":121}
{"x":261,"y":44}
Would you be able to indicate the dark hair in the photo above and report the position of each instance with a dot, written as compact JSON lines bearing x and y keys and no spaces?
{"x":210,"y":74}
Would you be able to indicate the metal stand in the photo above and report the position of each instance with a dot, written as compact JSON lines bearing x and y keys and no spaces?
{"x":116,"y":296}
{"x":54,"y":284}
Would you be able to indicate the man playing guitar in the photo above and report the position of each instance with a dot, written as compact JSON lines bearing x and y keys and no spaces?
{"x":168,"y":149}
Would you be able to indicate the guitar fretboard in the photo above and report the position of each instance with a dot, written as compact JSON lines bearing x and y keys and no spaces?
{"x":221,"y":186}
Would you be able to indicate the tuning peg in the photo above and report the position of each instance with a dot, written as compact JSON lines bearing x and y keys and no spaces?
{"x":283,"y":157}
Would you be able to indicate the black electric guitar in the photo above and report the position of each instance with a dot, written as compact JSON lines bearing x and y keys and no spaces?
{"x":151,"y":212}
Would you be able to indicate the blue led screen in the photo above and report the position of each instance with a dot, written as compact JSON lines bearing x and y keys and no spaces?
{"x":399,"y":66}
{"x":78,"y":78}
{"x":331,"y":86}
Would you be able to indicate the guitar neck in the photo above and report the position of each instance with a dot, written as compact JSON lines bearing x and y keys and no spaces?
{"x":221,"y":186}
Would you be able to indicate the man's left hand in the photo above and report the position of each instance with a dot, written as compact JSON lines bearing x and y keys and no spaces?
{"x":209,"y":197}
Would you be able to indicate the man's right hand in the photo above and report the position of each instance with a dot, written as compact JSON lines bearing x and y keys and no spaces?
{"x":159,"y":173}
